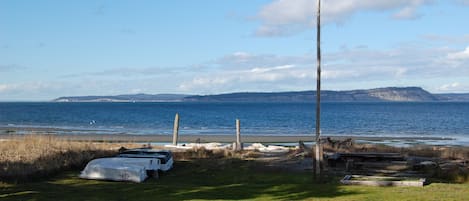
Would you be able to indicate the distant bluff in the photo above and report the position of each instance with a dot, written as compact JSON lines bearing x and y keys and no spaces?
{"x":388,"y":94}
{"x":371,"y":95}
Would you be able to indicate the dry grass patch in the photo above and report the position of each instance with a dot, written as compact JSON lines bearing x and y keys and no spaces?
{"x":34,"y":156}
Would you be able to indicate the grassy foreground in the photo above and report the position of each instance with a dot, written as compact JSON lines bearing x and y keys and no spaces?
{"x":222,"y":179}
{"x":46,"y":168}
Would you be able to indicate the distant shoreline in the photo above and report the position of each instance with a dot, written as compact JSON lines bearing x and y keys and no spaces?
{"x":392,"y":94}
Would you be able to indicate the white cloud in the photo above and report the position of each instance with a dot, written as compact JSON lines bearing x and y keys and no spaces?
{"x":243,"y":60}
{"x":264,"y":70}
{"x":408,"y":12}
{"x":452,"y":87}
{"x":254,"y":79}
{"x":457,"y":60}
{"x":400,"y":72}
{"x":338,"y":74}
{"x":462,"y":55}
{"x":4,"y":87}
{"x":236,"y":60}
{"x":348,"y":68}
{"x":406,"y":65}
{"x":241,"y":56}
{"x":284,"y":17}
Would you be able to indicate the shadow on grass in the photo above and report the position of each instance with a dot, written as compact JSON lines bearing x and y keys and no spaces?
{"x":205,"y":179}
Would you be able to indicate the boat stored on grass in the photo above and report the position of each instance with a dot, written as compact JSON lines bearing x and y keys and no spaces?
{"x":165,"y":156}
{"x":134,"y":165}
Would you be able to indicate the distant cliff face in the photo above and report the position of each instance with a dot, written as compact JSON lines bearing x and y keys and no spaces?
{"x":372,"y":95}
{"x":402,"y":94}
{"x":408,"y":94}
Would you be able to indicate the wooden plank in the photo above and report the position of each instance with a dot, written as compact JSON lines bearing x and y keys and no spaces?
{"x":368,"y":155}
{"x":382,"y":181}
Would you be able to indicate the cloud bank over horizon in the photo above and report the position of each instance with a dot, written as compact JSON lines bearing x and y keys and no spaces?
{"x":125,"y":48}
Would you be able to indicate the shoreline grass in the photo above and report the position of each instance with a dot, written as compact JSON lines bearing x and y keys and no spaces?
{"x":47,"y":168}
{"x":37,"y":156}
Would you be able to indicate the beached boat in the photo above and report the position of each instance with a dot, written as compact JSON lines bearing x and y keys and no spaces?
{"x":121,"y":169}
{"x":134,"y":165}
{"x":165,"y":156}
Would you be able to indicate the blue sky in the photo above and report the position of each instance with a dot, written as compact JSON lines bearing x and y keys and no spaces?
{"x":67,"y":48}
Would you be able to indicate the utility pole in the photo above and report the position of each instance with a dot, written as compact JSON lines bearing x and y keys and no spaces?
{"x":318,"y":152}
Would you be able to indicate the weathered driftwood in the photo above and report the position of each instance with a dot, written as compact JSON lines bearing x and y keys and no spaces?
{"x":338,"y":144}
{"x":388,"y":165}
{"x":369,"y":156}
{"x":382,"y":181}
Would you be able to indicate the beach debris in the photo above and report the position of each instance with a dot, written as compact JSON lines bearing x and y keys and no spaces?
{"x":429,"y":168}
{"x":428,"y":164}
{"x":415,"y":160}
{"x":338,"y":144}
{"x":207,"y":146}
{"x":237,"y":147}
{"x":303,"y":147}
{"x":269,"y":148}
{"x":369,"y":163}
{"x":382,"y":181}
{"x":218,"y":146}
{"x":122,"y":149}
{"x":181,"y":146}
{"x":146,"y":146}
{"x":362,"y":156}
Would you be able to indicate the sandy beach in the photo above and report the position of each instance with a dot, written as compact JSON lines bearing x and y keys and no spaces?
{"x":158,"y":138}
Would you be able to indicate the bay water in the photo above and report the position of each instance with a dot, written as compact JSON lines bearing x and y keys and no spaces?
{"x":379,"y":119}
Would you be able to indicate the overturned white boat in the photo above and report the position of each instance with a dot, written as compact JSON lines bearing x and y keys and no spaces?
{"x":121,"y":169}
{"x":134,"y":165}
{"x":165,"y":156}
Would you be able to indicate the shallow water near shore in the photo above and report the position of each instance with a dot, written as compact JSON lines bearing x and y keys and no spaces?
{"x":390,"y":119}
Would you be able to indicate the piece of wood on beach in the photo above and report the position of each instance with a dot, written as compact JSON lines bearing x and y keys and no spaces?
{"x":239,"y":145}
{"x":382,"y":181}
{"x":176,"y":129}
{"x":370,"y":155}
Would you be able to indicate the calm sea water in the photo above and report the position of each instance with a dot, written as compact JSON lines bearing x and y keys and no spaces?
{"x":364,"y":119}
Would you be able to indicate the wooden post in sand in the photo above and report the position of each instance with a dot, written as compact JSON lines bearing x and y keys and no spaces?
{"x":318,"y":148}
{"x":238,"y":135}
{"x":176,"y":130}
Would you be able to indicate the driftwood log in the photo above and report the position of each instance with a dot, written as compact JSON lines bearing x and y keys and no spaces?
{"x":338,"y":144}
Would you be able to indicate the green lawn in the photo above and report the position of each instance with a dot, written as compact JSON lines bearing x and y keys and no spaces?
{"x":223,"y":179}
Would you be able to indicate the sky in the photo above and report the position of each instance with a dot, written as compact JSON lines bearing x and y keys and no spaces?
{"x":53,"y":48}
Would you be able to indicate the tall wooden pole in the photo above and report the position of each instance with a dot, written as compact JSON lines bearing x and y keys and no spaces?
{"x":318,"y":157}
